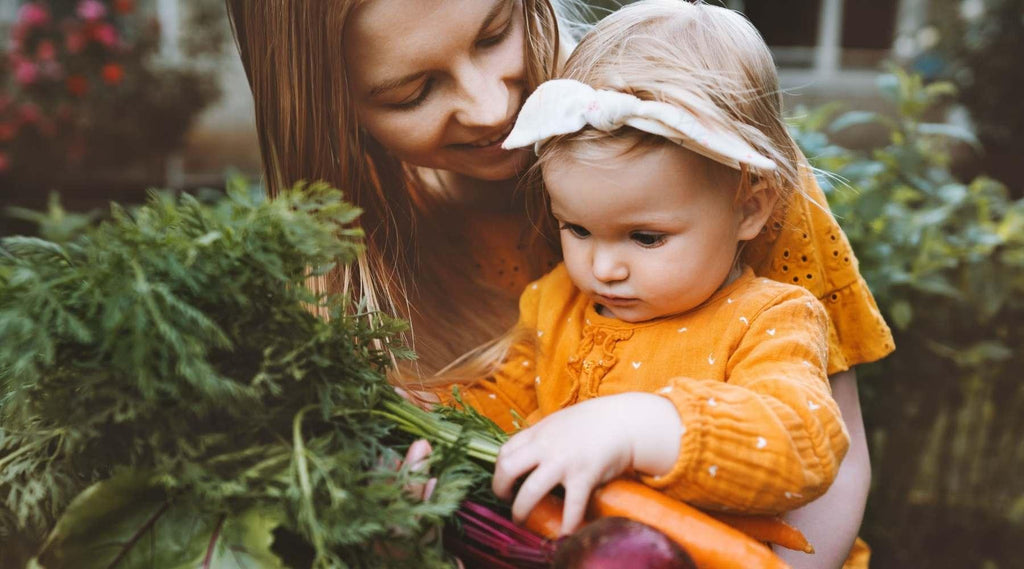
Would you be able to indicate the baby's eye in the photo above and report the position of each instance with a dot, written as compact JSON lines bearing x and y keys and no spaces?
{"x":577,"y":230}
{"x":646,"y":239}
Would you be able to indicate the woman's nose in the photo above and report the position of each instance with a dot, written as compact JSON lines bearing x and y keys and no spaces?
{"x":485,"y":97}
{"x":608,"y":267}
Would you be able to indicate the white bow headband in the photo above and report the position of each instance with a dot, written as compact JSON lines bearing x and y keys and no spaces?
{"x":563,"y":106}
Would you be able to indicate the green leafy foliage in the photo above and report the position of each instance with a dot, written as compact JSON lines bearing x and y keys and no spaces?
{"x":945,"y":260}
{"x":127,"y":522}
{"x":178,"y":340}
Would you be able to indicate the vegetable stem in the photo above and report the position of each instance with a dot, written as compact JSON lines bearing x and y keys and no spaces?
{"x":413,"y":420}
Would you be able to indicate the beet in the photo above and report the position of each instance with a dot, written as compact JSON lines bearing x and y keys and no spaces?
{"x":613,"y":543}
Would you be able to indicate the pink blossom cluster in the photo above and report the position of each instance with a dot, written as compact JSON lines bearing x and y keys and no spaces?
{"x":50,"y":65}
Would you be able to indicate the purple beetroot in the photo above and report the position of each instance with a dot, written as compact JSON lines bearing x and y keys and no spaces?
{"x":618,"y":543}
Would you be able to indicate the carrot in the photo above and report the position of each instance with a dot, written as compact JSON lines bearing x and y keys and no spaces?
{"x":546,"y":518}
{"x":767,"y":528}
{"x":711,"y":543}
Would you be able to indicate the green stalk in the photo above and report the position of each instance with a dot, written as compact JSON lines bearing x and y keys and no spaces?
{"x":413,"y":420}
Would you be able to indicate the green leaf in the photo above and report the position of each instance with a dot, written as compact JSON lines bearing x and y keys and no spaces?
{"x":125,"y":522}
{"x":855,"y":118}
{"x":902,"y":314}
{"x":950,"y":131}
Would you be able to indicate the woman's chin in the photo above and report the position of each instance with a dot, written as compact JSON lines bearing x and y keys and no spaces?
{"x":493,"y":166}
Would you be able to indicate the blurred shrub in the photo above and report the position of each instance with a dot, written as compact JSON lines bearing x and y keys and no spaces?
{"x":945,"y":259}
{"x":981,"y":43}
{"x":84,"y":90}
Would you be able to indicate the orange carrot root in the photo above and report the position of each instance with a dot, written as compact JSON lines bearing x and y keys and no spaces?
{"x":711,"y":543}
{"x":767,"y":528}
{"x":546,"y":518}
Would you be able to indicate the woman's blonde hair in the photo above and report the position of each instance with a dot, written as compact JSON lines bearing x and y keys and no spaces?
{"x":706,"y":59}
{"x":292,"y":51}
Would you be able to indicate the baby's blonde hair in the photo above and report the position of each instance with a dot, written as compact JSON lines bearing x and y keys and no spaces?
{"x":709,"y":60}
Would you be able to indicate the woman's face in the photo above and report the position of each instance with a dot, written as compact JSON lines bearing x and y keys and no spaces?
{"x":439,"y":82}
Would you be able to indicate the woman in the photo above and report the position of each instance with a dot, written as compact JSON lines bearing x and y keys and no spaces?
{"x":403,"y":104}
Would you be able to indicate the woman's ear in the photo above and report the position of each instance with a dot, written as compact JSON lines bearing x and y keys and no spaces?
{"x":755,"y":209}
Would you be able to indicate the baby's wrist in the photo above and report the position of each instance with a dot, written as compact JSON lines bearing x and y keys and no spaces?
{"x":654,"y":429}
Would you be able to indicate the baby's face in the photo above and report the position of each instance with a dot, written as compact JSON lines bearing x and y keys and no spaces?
{"x":645,"y":235}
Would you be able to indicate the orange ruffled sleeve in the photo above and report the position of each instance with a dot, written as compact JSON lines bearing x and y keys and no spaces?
{"x":770,"y":438}
{"x":808,"y":248}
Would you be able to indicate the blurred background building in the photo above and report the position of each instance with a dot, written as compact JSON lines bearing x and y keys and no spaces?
{"x":826,"y":50}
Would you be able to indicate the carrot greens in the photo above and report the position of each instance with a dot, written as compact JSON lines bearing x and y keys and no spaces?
{"x":168,"y":398}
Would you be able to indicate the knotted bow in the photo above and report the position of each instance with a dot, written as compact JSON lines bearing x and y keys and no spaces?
{"x":563,"y":106}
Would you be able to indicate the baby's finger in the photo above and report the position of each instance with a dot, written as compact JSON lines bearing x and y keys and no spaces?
{"x":574,"y":508}
{"x":518,"y":441}
{"x":416,"y":456}
{"x":537,"y":485}
{"x":416,"y":460}
{"x":428,"y":488}
{"x":509,"y":467}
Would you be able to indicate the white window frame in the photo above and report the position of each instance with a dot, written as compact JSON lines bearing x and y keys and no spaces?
{"x":826,"y":73}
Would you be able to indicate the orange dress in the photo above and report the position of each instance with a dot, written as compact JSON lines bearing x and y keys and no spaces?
{"x":746,"y":371}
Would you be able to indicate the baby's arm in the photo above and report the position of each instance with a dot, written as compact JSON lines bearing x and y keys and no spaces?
{"x":770,"y":438}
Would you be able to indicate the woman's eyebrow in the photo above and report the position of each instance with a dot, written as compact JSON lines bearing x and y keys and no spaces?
{"x":405,"y":80}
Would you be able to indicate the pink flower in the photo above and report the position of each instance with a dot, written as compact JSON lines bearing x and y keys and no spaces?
{"x":25,"y":72}
{"x":112,"y":73}
{"x":106,"y":35}
{"x":32,"y":14}
{"x":91,"y":10}
{"x":46,"y":50}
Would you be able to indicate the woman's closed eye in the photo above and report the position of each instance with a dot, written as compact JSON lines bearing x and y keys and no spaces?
{"x":577,"y":230}
{"x":415,"y":98}
{"x":647,"y":239}
{"x":495,"y":39}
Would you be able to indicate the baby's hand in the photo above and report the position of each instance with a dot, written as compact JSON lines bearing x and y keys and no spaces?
{"x":584,"y":446}
{"x":416,"y":457}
